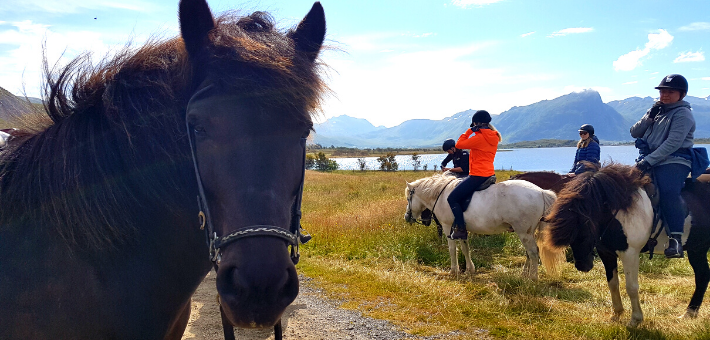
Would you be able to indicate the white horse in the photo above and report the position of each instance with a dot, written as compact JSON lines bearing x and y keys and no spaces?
{"x":512,"y":205}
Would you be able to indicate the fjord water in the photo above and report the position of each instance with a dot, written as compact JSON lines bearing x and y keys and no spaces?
{"x":539,"y":159}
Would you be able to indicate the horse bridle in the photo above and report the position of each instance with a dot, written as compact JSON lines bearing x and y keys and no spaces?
{"x":408,"y":214}
{"x":217,"y":243}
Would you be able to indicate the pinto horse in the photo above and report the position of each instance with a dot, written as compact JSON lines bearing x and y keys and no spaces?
{"x":100,"y":227}
{"x":507,"y":206}
{"x":609,"y":210}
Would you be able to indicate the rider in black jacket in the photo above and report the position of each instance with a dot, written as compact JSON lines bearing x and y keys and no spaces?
{"x":458,"y":156}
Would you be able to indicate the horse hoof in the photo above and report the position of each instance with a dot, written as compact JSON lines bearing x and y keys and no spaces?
{"x":689,"y":314}
{"x":634,"y":322}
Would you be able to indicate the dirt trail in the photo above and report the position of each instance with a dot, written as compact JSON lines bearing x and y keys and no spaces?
{"x":309,"y":317}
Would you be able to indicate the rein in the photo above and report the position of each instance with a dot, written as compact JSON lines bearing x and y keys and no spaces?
{"x":409,"y":206}
{"x":217,"y":243}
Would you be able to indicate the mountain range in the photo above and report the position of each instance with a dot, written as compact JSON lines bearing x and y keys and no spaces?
{"x":558,"y":118}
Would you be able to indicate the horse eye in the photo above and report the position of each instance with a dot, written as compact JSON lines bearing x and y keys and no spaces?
{"x":199,"y":130}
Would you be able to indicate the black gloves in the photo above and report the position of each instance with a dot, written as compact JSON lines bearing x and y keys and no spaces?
{"x":643,"y":165}
{"x":655,"y":109}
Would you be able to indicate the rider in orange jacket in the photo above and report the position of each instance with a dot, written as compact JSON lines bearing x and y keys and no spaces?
{"x":482,"y":139}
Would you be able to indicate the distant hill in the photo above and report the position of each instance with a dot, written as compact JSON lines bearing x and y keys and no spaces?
{"x":11,"y":106}
{"x":415,"y":133}
{"x":560,"y":118}
{"x":634,"y":108}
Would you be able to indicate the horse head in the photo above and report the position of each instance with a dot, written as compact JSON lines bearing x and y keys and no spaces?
{"x":416,"y":210}
{"x":254,"y":89}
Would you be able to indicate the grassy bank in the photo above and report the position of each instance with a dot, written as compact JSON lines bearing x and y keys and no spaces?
{"x":364,"y":253}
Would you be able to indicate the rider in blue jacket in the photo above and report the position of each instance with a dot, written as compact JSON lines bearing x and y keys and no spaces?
{"x":587,"y":150}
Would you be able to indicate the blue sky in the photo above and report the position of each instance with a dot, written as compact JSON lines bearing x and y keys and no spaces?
{"x":398,"y":60}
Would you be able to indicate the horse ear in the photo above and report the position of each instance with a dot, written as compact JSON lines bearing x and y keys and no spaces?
{"x":409,"y":186}
{"x":196,"y":21}
{"x":310,"y":33}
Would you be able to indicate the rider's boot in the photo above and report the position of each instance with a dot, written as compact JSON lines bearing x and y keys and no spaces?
{"x":675,"y":247}
{"x":459,"y":232}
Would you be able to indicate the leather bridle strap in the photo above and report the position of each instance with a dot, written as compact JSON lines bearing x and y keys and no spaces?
{"x":216,"y":243}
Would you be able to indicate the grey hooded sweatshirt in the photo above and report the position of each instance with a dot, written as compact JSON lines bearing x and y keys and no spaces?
{"x":672,"y":129}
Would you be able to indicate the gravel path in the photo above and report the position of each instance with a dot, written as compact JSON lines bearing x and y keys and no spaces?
{"x":309,"y":317}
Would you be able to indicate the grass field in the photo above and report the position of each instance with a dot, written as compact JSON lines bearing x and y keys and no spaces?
{"x":364,"y":253}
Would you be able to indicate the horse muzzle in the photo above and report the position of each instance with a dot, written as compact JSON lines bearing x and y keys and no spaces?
{"x":256,"y":282}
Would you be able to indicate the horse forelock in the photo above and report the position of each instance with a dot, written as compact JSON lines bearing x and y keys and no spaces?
{"x":277,"y":71}
{"x":117,"y":138}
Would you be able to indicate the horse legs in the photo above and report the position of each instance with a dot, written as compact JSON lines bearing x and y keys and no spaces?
{"x":533,"y":257}
{"x":699,"y":261}
{"x":612,"y":278}
{"x":470,"y":268}
{"x":630,"y":260}
{"x":454,"y":258}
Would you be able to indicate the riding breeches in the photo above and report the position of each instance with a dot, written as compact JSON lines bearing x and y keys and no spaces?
{"x":463,"y":191}
{"x":670,"y":179}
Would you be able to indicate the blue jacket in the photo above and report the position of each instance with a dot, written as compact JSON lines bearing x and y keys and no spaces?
{"x":591,"y":154}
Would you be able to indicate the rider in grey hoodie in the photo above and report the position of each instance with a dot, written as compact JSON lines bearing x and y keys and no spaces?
{"x":665,"y":139}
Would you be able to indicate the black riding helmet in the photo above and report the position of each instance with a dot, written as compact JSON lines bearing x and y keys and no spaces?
{"x":588,"y":128}
{"x":675,"y":82}
{"x":481,"y":116}
{"x":448,"y":144}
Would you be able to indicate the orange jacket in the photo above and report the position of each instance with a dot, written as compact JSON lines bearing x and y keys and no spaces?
{"x":483,"y":145}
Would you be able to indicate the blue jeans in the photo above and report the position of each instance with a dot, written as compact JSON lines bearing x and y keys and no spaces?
{"x":463,"y":191}
{"x":670,"y":179}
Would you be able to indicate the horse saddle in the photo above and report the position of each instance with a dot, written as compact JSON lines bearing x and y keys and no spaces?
{"x":490,"y":181}
{"x":653,"y":194}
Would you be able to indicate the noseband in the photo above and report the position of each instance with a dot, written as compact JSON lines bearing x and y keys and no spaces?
{"x":217,"y":243}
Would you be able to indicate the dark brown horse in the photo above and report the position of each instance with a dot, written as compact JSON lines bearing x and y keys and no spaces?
{"x":545,"y":179}
{"x":609,"y":210}
{"x":549,"y":180}
{"x":99,"y":229}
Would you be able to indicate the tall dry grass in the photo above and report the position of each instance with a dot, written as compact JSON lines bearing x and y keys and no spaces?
{"x":366,"y":255}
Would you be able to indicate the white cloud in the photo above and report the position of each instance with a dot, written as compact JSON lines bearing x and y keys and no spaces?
{"x":470,"y":3}
{"x":705,"y":78}
{"x":527,"y":34}
{"x":23,"y":61}
{"x":388,"y":89}
{"x":686,"y":57}
{"x":633,"y":59}
{"x":630,"y":82}
{"x":573,"y":30}
{"x":423,"y":35}
{"x":696,"y":26}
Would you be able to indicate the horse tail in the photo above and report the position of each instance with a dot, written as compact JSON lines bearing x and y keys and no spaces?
{"x":551,"y":257}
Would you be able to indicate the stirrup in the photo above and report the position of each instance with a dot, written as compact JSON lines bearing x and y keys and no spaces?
{"x":674,"y":250}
